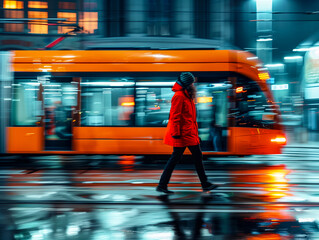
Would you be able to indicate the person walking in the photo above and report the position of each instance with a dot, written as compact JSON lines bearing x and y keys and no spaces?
{"x":182,"y":132}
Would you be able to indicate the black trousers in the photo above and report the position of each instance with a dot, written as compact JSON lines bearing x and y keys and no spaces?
{"x":177,"y":154}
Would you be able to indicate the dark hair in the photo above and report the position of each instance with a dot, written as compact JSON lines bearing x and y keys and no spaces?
{"x":191,"y":89}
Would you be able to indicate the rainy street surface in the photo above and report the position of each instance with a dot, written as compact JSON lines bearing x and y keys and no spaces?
{"x":110,"y":197}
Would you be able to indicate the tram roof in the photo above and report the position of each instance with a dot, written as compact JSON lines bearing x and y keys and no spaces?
{"x":156,"y":43}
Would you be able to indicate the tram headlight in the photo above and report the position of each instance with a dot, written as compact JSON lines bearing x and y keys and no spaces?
{"x":279,"y":140}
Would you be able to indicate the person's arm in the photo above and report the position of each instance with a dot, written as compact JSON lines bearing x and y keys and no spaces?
{"x":176,"y":115}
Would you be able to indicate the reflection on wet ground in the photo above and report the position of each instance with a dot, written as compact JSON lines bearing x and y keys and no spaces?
{"x":98,"y":197}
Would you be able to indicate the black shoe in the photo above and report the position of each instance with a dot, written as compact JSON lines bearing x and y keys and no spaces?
{"x":163,"y":190}
{"x":210,"y":187}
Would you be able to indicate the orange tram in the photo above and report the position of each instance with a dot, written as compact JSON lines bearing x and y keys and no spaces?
{"x":118,"y":102}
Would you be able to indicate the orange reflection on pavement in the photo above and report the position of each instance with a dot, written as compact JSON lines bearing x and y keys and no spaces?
{"x":127,"y":163}
{"x":268,"y":236}
{"x":271,"y":180}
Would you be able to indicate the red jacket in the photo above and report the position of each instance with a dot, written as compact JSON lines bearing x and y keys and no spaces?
{"x":182,"y":120}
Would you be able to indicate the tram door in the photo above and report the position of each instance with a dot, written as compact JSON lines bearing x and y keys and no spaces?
{"x":59,"y":105}
{"x":212,"y":116}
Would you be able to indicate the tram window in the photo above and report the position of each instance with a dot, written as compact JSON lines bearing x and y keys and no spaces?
{"x":107,"y":102}
{"x":212,"y":104}
{"x":253,"y":109}
{"x":153,"y":105}
{"x":26,"y":104}
{"x":212,"y":110}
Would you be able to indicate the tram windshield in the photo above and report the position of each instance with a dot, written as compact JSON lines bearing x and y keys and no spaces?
{"x":252,"y":107}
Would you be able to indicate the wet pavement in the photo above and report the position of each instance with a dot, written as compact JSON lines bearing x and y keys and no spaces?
{"x":110,"y":197}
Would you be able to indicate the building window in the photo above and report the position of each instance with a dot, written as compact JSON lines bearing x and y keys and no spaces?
{"x":12,"y":4}
{"x":13,"y":27}
{"x":15,"y":14}
{"x":89,"y":21}
{"x":37,"y":25}
{"x":71,"y":19}
{"x":159,"y":18}
{"x":37,"y":4}
{"x":67,"y":5}
{"x":90,"y":5}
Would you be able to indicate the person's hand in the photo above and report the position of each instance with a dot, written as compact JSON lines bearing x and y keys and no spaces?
{"x":176,"y":137}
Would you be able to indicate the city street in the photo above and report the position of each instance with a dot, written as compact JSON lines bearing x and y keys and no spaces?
{"x":107,"y":197}
{"x":96,"y":95}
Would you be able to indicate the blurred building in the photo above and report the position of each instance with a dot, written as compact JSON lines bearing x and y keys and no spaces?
{"x":33,"y":24}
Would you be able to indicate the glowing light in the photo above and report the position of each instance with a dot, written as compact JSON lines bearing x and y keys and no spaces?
{"x":263,"y":76}
{"x":160,"y":56}
{"x":112,"y":84}
{"x":72,"y":230}
{"x":146,"y":84}
{"x":67,"y":56}
{"x":37,"y":236}
{"x":279,"y":87}
{"x":37,"y":4}
{"x":252,"y":58}
{"x":279,"y":176}
{"x":217,"y":85}
{"x":239,"y":90}
{"x":205,"y":99}
{"x":155,"y":108}
{"x":128,"y":104}
{"x":277,"y":65}
{"x":281,"y":140}
{"x":293,"y":57}
{"x":264,"y":40}
{"x":301,"y":49}
{"x":13,"y":4}
{"x":306,"y":219}
{"x":314,"y":53}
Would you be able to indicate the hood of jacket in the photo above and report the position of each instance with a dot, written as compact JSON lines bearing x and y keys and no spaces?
{"x":177,"y":87}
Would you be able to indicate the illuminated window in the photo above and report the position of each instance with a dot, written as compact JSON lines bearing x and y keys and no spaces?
{"x":13,"y":27}
{"x":153,"y":104}
{"x":71,"y":19}
{"x":252,"y":108}
{"x":38,"y":25}
{"x":13,"y":4}
{"x":90,"y":5}
{"x":89,"y":21}
{"x":107,"y":102}
{"x":36,"y":4}
{"x":26,"y":107}
{"x":67,"y":5}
